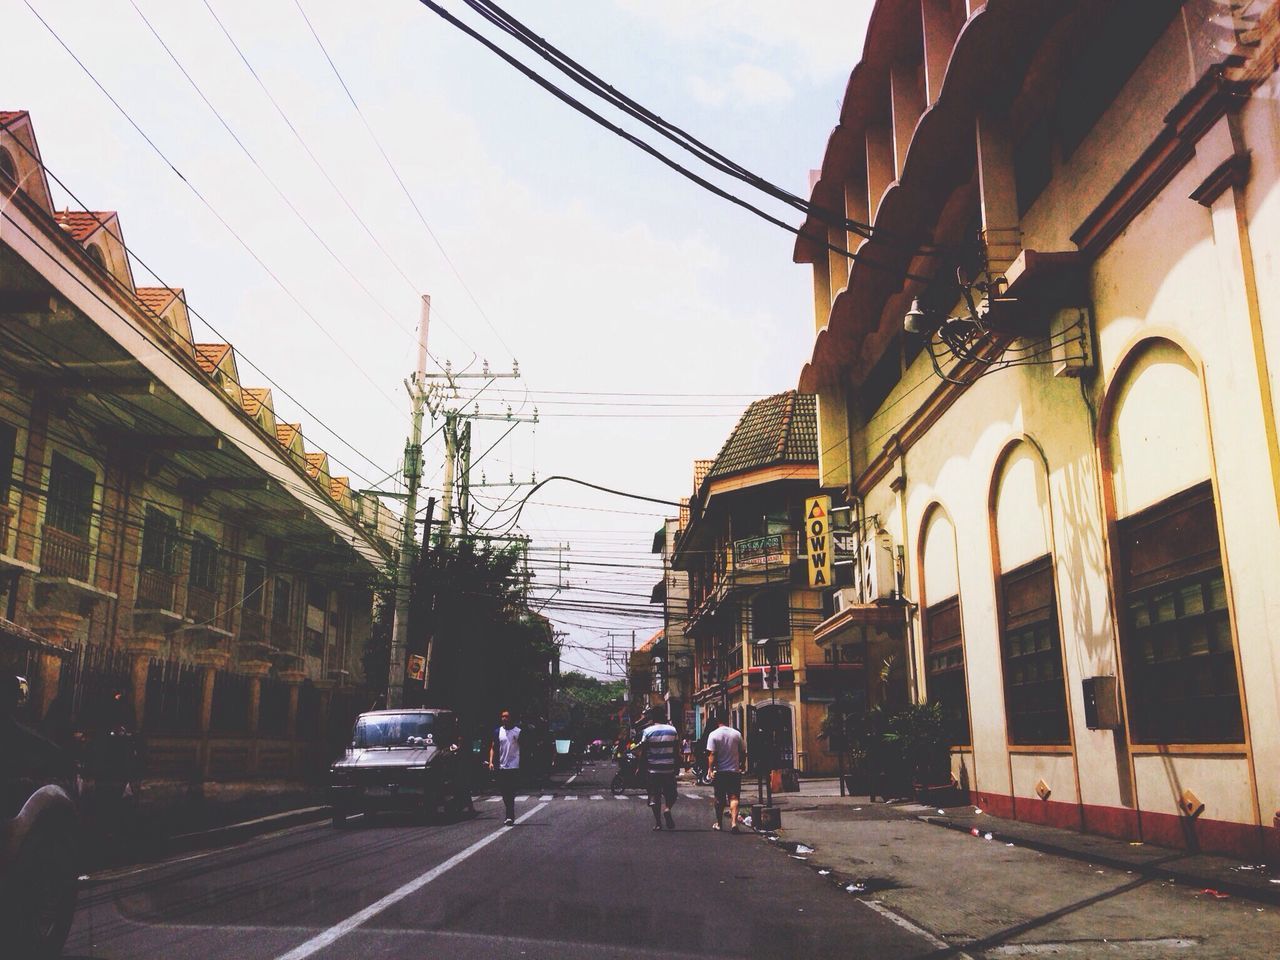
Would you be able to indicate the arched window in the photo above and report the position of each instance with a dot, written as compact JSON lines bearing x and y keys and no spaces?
{"x":1177,"y":647}
{"x":96,"y":255}
{"x":943,"y":636}
{"x":1035,"y":692}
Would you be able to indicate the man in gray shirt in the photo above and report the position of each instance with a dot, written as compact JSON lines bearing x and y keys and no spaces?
{"x":726,"y":759}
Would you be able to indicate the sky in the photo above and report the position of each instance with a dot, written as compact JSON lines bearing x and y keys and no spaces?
{"x":644,"y":312}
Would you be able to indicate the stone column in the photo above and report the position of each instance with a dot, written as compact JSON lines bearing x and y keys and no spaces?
{"x":256,"y":669}
{"x":142,"y":647}
{"x":58,"y":628}
{"x":326,"y":701}
{"x":294,"y":679}
{"x":210,"y":662}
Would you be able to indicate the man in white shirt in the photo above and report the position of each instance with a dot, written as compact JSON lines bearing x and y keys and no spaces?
{"x":726,"y":758}
{"x":505,"y":751}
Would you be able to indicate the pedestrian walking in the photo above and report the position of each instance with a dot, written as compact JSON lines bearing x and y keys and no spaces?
{"x":726,"y":758}
{"x":658,"y":754}
{"x":686,"y":754}
{"x":504,"y":761}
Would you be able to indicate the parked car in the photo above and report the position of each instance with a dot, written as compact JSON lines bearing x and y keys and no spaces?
{"x":401,"y":760}
{"x":38,"y":834}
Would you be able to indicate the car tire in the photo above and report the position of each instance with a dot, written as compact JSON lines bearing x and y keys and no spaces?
{"x":42,"y":901}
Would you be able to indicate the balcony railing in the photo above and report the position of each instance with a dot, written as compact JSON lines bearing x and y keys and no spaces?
{"x":6,"y":516}
{"x":733,"y":661}
{"x":254,"y":628}
{"x":155,"y":590}
{"x":202,"y":606}
{"x":64,"y":554}
{"x":781,"y":654}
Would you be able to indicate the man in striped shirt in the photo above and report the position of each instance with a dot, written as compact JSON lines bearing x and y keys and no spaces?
{"x":658,"y":754}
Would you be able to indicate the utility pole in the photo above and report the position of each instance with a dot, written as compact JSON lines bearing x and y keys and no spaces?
{"x":408,"y":531}
{"x":464,"y":497}
{"x":446,"y":495}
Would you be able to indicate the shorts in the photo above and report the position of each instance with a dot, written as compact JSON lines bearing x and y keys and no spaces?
{"x":728,"y":784}
{"x":662,"y":786}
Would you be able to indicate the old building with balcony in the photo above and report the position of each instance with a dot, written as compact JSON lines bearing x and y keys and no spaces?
{"x":750,"y":613}
{"x":1043,"y":249}
{"x":152,"y":511}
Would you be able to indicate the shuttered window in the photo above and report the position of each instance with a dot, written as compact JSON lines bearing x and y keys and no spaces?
{"x":1179,"y":652}
{"x":1035,"y":692}
{"x":70,"y":506}
{"x":944,"y":668}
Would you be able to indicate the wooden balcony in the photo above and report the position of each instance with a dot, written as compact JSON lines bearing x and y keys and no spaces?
{"x":202,"y":606}
{"x":156,"y":590}
{"x":64,"y":555}
{"x":781,"y":654}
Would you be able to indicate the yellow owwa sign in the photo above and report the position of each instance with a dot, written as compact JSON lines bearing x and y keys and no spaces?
{"x":817,"y":535}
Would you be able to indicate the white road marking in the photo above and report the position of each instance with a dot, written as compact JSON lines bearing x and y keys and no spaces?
{"x":493,"y":800}
{"x":621,"y":796}
{"x":571,"y":779}
{"x":322,"y":940}
{"x":546,"y":796}
{"x":597,"y":797}
{"x":521,"y":799}
{"x":569,"y":796}
{"x":919,"y":931}
{"x":693,"y":796}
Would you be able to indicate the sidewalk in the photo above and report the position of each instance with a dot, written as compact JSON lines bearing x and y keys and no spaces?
{"x":1031,"y":890}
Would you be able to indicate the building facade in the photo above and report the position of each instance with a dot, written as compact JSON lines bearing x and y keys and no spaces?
{"x":150,"y":505}
{"x":1046,"y":382}
{"x":750,"y":612}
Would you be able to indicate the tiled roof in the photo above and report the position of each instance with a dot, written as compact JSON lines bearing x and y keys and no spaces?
{"x":684,"y":513}
{"x":339,"y":487}
{"x":700,"y":470}
{"x":8,"y":116}
{"x":647,"y":646}
{"x":253,"y":399}
{"x":776,"y":430}
{"x":315,"y":461}
{"x":157,"y":299}
{"x":82,"y":224}
{"x":285,"y":432}
{"x":209,"y":355}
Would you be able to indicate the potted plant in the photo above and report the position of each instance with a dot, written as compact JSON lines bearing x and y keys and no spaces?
{"x":915,"y":735}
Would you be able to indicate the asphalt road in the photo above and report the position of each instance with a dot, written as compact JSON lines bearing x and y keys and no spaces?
{"x":581,"y":875}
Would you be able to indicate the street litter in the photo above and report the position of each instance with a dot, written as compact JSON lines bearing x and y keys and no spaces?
{"x":746,"y":821}
{"x":977,"y":810}
{"x":823,"y":873}
{"x":1251,"y":866}
{"x":987,"y":836}
{"x":1135,"y":843}
{"x":857,"y":809}
{"x":1216,"y":894}
{"x":942,"y":812}
{"x":794,"y":857}
{"x":802,"y":848}
{"x":976,"y":832}
{"x":857,"y":888}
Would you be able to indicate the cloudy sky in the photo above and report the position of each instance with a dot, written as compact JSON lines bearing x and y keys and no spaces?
{"x":644,"y":312}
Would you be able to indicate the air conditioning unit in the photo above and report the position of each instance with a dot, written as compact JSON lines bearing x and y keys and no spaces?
{"x":875,"y":576}
{"x":845,"y":598}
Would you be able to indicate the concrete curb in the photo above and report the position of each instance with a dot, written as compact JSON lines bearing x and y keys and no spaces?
{"x":1153,"y":870}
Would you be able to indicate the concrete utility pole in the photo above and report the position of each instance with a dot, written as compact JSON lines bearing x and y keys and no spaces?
{"x":408,"y":537}
{"x":446,"y":495}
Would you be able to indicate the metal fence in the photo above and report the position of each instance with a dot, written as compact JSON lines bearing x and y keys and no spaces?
{"x":273,"y":708}
{"x":174,"y":692}
{"x":230,"y":709}
{"x":91,"y":675}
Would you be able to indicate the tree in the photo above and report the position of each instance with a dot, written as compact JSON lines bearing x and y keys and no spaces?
{"x":591,"y":704}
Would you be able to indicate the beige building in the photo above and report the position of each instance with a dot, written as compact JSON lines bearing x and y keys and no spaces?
{"x":1076,"y":482}
{"x":155,"y":518}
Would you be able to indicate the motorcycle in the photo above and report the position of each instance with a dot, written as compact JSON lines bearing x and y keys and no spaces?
{"x":629,"y":775}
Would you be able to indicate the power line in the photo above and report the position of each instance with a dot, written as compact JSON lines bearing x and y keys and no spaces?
{"x":222,"y":220}
{"x":400,"y":180}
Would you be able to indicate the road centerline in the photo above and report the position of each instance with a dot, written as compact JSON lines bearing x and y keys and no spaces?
{"x":339,"y":930}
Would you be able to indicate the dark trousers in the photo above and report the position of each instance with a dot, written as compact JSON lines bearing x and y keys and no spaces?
{"x":508,"y":781}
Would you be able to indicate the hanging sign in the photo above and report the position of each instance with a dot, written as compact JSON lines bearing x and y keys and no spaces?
{"x":817,"y":534}
{"x":417,"y":667}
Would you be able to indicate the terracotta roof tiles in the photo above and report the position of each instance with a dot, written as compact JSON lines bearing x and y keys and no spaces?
{"x":253,"y":399}
{"x":82,"y":224}
{"x":339,"y":487}
{"x":157,"y":299}
{"x":209,"y":355}
{"x":285,"y":432}
{"x":315,"y":461}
